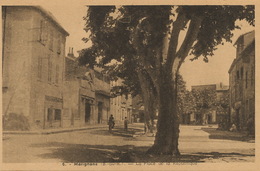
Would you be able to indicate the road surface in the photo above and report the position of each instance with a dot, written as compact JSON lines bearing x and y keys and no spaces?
{"x":196,"y":144}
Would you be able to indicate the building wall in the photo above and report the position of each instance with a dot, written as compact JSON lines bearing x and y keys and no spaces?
{"x":242,"y":92}
{"x":47,"y":76}
{"x":16,"y":62}
{"x":212,"y":115}
{"x":203,"y":87}
{"x":121,"y":106}
{"x":90,"y":97}
{"x":79,"y":93}
{"x":102,"y":91}
{"x":102,"y":109}
{"x":30,"y":81}
{"x":71,"y":104}
{"x":242,"y":82}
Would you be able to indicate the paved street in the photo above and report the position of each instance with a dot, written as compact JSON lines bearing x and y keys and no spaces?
{"x":197,"y":144}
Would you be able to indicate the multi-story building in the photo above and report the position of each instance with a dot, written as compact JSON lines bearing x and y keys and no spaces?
{"x":242,"y":81}
{"x":102,"y":95}
{"x":215,"y":113}
{"x":79,"y":93}
{"x":86,"y":94}
{"x":138,"y":109}
{"x":33,"y":65}
{"x":121,"y":105}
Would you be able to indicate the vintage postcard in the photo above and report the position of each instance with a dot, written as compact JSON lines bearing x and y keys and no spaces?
{"x":122,"y":85}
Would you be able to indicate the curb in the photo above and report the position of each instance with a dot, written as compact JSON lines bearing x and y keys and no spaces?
{"x":46,"y":132}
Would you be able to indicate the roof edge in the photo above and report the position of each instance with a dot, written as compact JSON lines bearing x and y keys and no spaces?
{"x":51,"y":17}
{"x":242,"y":35}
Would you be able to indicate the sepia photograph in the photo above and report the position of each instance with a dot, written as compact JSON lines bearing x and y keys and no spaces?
{"x":122,"y":84}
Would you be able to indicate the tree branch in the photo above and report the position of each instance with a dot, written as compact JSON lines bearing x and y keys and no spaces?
{"x":178,"y":25}
{"x":142,"y":55}
{"x":190,"y":38}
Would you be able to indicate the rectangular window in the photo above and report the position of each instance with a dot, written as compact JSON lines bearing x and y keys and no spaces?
{"x":39,"y":68}
{"x":43,"y":32}
{"x":49,"y":115}
{"x":237,"y":75}
{"x":49,"y":71}
{"x":241,"y":72}
{"x":252,"y":76}
{"x":246,"y":78}
{"x":57,"y":115}
{"x":59,"y":44}
{"x":51,"y":40}
{"x":57,"y":74}
{"x":247,"y":108}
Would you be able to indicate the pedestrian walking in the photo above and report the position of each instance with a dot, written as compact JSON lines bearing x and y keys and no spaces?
{"x":111,"y":122}
{"x":126,"y":124}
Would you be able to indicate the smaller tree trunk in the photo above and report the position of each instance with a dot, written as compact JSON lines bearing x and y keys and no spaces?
{"x":166,"y":140}
{"x":149,"y":101}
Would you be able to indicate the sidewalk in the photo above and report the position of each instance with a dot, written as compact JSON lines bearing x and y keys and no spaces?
{"x":223,"y":134}
{"x":57,"y":130}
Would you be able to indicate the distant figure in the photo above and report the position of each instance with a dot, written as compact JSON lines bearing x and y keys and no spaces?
{"x":233,"y":128}
{"x":126,"y":123}
{"x":111,"y":122}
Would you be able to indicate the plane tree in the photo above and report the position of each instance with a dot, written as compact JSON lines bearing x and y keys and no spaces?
{"x":150,"y":36}
{"x":185,"y":100}
{"x":204,"y":101}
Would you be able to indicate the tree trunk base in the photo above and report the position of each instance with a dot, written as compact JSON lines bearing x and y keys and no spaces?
{"x":162,"y":150}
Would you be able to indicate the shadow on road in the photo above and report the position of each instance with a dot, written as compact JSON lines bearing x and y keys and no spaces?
{"x":219,"y":134}
{"x":71,"y":153}
{"x":116,"y":132}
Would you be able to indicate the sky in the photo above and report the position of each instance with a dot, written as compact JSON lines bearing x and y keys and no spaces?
{"x":197,"y":72}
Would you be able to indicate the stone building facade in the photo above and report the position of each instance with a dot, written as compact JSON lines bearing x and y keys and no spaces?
{"x":42,"y":87}
{"x":121,"y":105}
{"x":102,"y":96}
{"x":214,"y":114}
{"x":86,"y":94}
{"x":242,"y":81}
{"x":33,"y":65}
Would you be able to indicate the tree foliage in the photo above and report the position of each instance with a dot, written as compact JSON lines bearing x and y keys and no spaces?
{"x":145,"y":39}
{"x":205,"y":98}
{"x":185,"y":98}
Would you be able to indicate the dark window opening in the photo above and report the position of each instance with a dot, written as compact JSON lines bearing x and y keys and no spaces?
{"x":252,"y":76}
{"x":57,"y":115}
{"x":241,"y":72}
{"x":49,"y":115}
{"x":246,"y":78}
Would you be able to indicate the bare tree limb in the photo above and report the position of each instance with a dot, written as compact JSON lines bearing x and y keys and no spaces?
{"x":190,"y":38}
{"x":178,"y":25}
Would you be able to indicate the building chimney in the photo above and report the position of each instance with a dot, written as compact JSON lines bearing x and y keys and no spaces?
{"x":71,"y":54}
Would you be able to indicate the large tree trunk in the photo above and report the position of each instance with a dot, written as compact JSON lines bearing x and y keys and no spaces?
{"x":166,"y":140}
{"x":149,"y":101}
{"x":150,"y":110}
